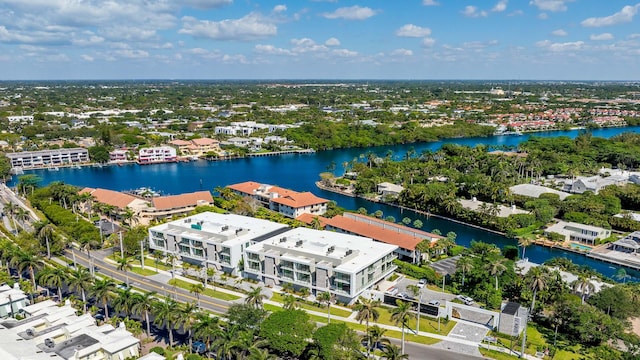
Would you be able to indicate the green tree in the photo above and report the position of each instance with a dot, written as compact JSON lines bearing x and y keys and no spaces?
{"x":99,"y":154}
{"x":143,"y":305}
{"x":166,"y":315}
{"x":81,"y":280}
{"x":366,"y":311}
{"x":124,"y":264}
{"x":245,"y":316}
{"x":537,"y":282}
{"x":326,"y":298}
{"x":103,"y":291}
{"x":197,"y":289}
{"x":393,"y":352}
{"x":55,"y":277}
{"x":287,"y":331}
{"x":206,"y":328}
{"x":255,"y":297}
{"x":401,"y":315}
{"x":496,"y":268}
{"x":464,"y":264}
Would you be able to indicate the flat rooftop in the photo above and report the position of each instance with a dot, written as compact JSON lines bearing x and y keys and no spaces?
{"x":348,"y":253}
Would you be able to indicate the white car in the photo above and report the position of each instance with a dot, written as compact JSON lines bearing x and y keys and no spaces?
{"x":422,"y":283}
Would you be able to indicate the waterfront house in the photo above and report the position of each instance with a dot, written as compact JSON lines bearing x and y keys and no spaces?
{"x":156,"y":155}
{"x":628,"y":244}
{"x":163,"y":207}
{"x":578,"y":232}
{"x":388,"y":189}
{"x":595,"y":183}
{"x":287,"y":202}
{"x":404,"y":237}
{"x":212,"y":240}
{"x":118,"y":156}
{"x":534,"y":191}
{"x":342,"y":264}
{"x":196,"y":147}
{"x":48,"y":158}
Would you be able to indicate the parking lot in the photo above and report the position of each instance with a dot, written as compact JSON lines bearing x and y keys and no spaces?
{"x":426,"y":294}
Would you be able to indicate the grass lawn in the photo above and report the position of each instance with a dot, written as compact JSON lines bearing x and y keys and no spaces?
{"x":362,"y":327}
{"x":152,"y":264}
{"x":208,"y":292}
{"x":145,"y":272}
{"x":426,"y":324}
{"x":303,"y":305}
{"x":496,"y":354}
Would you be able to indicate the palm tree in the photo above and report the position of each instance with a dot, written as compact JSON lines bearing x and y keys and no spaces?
{"x":124,"y":264}
{"x":366,"y":311}
{"x":400,"y":315}
{"x":524,"y":243}
{"x":81,"y":280}
{"x":54,"y":277}
{"x":225,"y":343}
{"x":142,"y":304}
{"x":103,"y":290}
{"x":260,"y":354}
{"x":584,"y":286}
{"x":166,"y":314}
{"x":186,"y":316}
{"x":464,"y":264}
{"x":393,"y":352}
{"x":375,"y":335}
{"x":255,"y":297}
{"x":496,"y":268}
{"x":326,"y":298}
{"x":47,"y":232}
{"x":123,"y":302}
{"x":157,"y":255}
{"x":206,"y":328}
{"x":28,"y":261}
{"x":289,"y":302}
{"x":197,"y":289}
{"x":538,"y":282}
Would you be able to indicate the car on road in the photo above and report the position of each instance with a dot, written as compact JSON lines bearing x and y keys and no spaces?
{"x":422,"y":283}
{"x":434,"y":303}
{"x":122,"y":286}
{"x":465,"y":299}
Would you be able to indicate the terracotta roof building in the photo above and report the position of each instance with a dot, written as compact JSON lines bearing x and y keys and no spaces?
{"x":287,"y":202}
{"x":406,"y":238}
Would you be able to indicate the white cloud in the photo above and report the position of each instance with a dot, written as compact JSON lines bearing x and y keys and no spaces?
{"x":430,"y":2}
{"x":601,"y":37}
{"x":251,"y":27}
{"x":561,"y":47}
{"x":401,"y":52}
{"x":279,"y":8}
{"x":206,"y":4}
{"x":305,"y":45}
{"x":351,"y":13}
{"x":559,"y":32}
{"x":332,"y":42}
{"x":500,"y":6}
{"x":516,"y":13}
{"x":623,"y":16}
{"x":543,"y":16}
{"x":87,"y":58}
{"x":550,"y":5}
{"x":132,"y":54}
{"x":428,"y":42}
{"x":272,"y":50}
{"x":633,"y":36}
{"x":344,"y":53}
{"x":410,"y":30}
{"x":473,"y":12}
{"x":231,"y":59}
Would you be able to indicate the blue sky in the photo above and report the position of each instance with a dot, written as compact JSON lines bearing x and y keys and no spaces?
{"x":315,"y":39}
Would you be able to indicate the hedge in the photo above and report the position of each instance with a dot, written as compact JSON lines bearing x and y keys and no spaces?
{"x":416,"y":271}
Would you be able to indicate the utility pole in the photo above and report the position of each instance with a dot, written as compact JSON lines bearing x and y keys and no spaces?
{"x":142,"y":254}
{"x":419,"y":299}
{"x":524,"y":335}
{"x":121,"y":247}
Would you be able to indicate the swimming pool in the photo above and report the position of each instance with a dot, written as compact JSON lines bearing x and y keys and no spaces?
{"x":580,"y":247}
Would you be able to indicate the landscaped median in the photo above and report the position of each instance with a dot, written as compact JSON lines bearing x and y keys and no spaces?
{"x":335,"y":311}
{"x":207,"y":292}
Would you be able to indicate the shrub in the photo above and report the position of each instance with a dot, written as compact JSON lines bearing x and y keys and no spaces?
{"x":157,"y":350}
{"x":416,"y":271}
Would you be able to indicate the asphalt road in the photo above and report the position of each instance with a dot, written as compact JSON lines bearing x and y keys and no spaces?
{"x":207,"y":303}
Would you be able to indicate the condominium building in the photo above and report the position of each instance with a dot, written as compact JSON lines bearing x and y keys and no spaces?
{"x":47,"y":158}
{"x":287,"y":202}
{"x":51,"y":331}
{"x":342,"y":264}
{"x":12,"y":300}
{"x":155,"y":155}
{"x":213,"y":240}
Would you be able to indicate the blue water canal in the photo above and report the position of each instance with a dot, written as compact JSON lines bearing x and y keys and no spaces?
{"x":301,"y":171}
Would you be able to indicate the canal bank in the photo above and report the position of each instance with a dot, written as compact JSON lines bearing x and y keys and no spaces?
{"x":300,"y":172}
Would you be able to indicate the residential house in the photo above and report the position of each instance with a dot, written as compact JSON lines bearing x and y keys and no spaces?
{"x":156,"y":155}
{"x":579,"y":232}
{"x":628,"y":244}
{"x":287,"y":202}
{"x":388,"y":189}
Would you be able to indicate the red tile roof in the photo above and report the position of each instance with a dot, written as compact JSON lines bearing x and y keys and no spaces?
{"x":179,"y":142}
{"x":204,"y":141}
{"x":285,"y":196}
{"x":374,"y":229}
{"x":182,"y":200}
{"x":308,"y":219}
{"x":110,"y":197}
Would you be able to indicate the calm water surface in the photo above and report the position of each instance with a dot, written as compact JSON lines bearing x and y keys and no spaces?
{"x":300,"y":172}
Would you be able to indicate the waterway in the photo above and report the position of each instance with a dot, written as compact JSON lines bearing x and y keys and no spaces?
{"x":300,"y":172}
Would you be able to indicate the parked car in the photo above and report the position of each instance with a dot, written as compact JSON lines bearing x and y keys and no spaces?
{"x":434,"y":303}
{"x":392,"y":290}
{"x":422,"y":283}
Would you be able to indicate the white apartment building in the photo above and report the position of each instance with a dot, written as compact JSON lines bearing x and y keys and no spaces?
{"x":44,"y":158}
{"x":49,"y":331}
{"x":12,"y":300}
{"x":212,"y":240}
{"x":342,"y":264}
{"x":118,"y":155}
{"x":159,"y":154}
